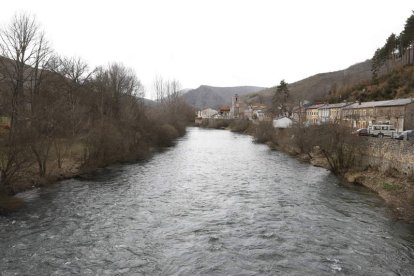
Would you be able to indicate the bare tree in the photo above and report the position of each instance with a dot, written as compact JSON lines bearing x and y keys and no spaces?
{"x":25,"y":51}
{"x":340,"y":148}
{"x":25,"y":54}
{"x":74,"y":75}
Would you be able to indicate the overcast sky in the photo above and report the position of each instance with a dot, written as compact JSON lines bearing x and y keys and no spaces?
{"x":220,"y":43}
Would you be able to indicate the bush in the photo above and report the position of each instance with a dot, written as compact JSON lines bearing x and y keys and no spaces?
{"x":240,"y":125}
{"x":215,"y":123}
{"x":165,"y":135}
{"x":339,"y":146}
{"x":264,"y":132}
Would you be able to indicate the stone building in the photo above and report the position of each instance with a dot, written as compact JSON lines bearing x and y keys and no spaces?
{"x":399,"y":113}
{"x":235,"y":107}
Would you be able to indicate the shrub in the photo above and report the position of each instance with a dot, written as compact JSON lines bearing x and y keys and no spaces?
{"x":240,"y":125}
{"x":264,"y":132}
{"x":166,"y":134}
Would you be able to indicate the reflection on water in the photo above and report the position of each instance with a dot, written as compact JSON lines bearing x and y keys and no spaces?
{"x":215,"y":204}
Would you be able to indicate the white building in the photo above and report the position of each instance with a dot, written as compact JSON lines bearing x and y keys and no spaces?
{"x":207,"y":113}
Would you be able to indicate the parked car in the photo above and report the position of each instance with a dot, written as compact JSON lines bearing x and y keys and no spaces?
{"x":361,"y":132}
{"x":382,"y":130}
{"x":405,"y":135}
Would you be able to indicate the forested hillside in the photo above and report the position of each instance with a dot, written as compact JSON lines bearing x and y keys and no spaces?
{"x":392,"y":71}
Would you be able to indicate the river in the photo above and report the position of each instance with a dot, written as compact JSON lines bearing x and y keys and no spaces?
{"x":215,"y":204}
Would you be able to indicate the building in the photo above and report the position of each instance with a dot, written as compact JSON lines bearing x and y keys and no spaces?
{"x":399,"y":113}
{"x":262,"y":115}
{"x":207,"y":113}
{"x":312,"y":114}
{"x":257,"y":112}
{"x":330,"y":113}
{"x":224,"y":112}
{"x":299,"y":114}
{"x":235,"y":107}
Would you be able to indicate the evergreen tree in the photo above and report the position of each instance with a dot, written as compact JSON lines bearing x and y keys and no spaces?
{"x":407,"y":37}
{"x":280,"y":99}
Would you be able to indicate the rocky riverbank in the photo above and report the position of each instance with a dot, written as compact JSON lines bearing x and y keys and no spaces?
{"x":395,"y":187}
{"x":394,"y":184}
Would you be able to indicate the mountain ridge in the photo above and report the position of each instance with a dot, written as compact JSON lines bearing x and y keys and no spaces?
{"x":319,"y":86}
{"x":214,"y":96}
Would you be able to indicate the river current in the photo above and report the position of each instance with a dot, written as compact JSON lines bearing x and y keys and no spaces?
{"x":215,"y":204}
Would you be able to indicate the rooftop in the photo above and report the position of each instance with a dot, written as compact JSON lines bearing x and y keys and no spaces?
{"x":396,"y":102}
{"x":337,"y":105}
{"x":315,"y":106}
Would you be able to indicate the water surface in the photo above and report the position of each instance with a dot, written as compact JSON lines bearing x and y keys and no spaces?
{"x":215,"y":204}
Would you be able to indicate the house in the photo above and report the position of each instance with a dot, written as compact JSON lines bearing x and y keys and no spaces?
{"x":224,"y":112}
{"x":207,"y":113}
{"x":312,"y":114}
{"x":262,"y":115}
{"x":331,"y":113}
{"x":257,"y":112}
{"x":398,"y":112}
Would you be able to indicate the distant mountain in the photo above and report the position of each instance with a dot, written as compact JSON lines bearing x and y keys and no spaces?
{"x":317,"y":87}
{"x":214,"y":97}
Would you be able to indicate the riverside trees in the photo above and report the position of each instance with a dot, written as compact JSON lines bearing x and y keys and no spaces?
{"x":64,"y":113}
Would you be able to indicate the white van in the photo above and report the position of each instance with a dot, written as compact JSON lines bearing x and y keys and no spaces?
{"x":382,"y":130}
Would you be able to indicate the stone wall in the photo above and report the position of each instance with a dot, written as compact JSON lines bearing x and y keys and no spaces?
{"x":387,"y":154}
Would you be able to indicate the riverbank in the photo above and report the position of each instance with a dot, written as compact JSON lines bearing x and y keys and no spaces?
{"x":394,"y":186}
{"x":72,"y":166}
{"x":396,"y":189}
{"x":214,"y":204}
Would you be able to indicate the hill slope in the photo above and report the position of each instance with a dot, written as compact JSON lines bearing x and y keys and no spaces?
{"x":210,"y":96}
{"x":319,"y":86}
{"x":398,"y":83}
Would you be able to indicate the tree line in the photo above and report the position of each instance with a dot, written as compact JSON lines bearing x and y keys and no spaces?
{"x":397,"y":50}
{"x":60,"y":111}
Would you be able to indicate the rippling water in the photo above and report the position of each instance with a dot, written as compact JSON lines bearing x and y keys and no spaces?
{"x":215,"y":204}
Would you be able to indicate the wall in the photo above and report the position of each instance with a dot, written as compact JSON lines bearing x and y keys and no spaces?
{"x":389,"y":153}
{"x":409,"y":116}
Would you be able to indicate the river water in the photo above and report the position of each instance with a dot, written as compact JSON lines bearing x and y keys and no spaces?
{"x":215,"y":204}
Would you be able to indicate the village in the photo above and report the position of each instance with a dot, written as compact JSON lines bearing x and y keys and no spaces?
{"x":398,"y":114}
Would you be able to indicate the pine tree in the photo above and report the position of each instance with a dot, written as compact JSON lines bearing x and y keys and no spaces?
{"x":280,"y":99}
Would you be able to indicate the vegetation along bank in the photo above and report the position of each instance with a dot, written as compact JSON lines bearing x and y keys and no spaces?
{"x":60,"y":118}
